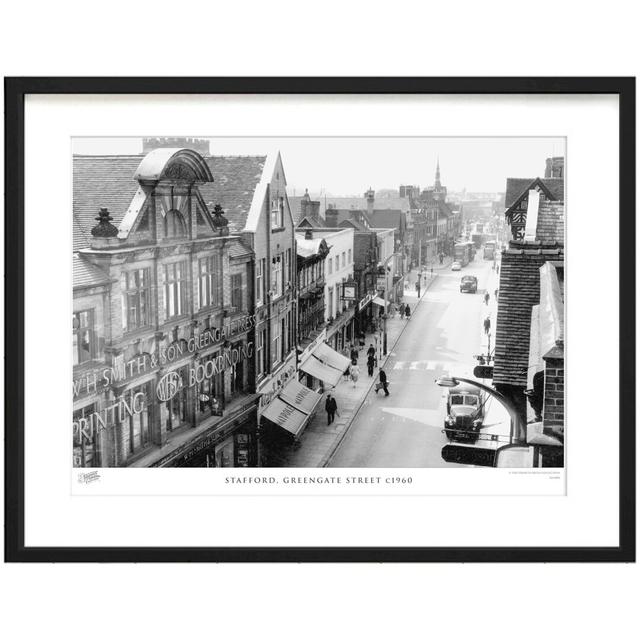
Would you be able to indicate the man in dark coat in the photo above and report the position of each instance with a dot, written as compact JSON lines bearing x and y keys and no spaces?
{"x":371,"y":351}
{"x":383,"y":382}
{"x":331,"y":407}
{"x":487,"y":324}
{"x":354,"y":353}
{"x":371,"y":363}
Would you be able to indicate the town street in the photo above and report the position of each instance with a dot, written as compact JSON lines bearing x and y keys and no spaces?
{"x":442,"y":337}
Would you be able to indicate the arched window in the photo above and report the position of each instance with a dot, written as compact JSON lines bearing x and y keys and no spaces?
{"x":174,"y":226}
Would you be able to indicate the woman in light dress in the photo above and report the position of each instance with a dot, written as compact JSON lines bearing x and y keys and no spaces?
{"x":354,"y":372}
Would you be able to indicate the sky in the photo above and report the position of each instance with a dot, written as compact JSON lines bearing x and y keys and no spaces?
{"x":349,"y":166}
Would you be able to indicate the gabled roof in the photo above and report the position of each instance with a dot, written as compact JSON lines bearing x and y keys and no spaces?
{"x":519,"y":292}
{"x":101,"y":181}
{"x":235,"y":179}
{"x":86,"y":274}
{"x":355,"y":224}
{"x":516,"y":187}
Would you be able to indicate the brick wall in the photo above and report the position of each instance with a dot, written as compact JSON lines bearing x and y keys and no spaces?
{"x":553,"y":411}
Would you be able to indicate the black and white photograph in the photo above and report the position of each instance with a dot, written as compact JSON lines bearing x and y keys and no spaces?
{"x":318,"y":302}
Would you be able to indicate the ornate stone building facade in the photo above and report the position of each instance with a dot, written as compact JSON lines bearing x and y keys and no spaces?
{"x":163,"y":317}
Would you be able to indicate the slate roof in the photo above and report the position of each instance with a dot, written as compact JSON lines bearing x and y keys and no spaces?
{"x":239,"y":250}
{"x":107,"y":181}
{"x":387,"y":219}
{"x":235,"y":179}
{"x":101,"y":181}
{"x":86,"y":274}
{"x":517,"y":186}
{"x":519,"y":292}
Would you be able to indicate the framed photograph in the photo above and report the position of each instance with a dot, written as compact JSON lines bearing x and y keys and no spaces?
{"x":320,"y":319}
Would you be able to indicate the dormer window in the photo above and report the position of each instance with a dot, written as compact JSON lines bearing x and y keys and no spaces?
{"x":174,"y":226}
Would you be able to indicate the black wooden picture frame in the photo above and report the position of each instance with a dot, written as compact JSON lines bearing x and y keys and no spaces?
{"x":16,"y":89}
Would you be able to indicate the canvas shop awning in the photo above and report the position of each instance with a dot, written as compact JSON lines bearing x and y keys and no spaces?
{"x":293,"y":407}
{"x":379,"y":301}
{"x":325,"y":364}
{"x":329,"y":375}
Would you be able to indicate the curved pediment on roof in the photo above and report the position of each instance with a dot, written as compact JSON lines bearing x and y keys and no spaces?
{"x":173,"y":164}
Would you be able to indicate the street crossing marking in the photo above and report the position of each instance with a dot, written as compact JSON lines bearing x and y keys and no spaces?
{"x":414,"y":365}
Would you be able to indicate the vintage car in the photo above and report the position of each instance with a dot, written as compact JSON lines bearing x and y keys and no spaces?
{"x":456,"y":266}
{"x":468,"y":284}
{"x":465,"y":413}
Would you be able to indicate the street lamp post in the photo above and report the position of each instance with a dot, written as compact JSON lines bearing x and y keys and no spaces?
{"x":385,"y":314}
{"x":516,"y":430}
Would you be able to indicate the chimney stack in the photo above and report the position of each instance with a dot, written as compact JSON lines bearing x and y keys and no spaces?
{"x":331,"y":216}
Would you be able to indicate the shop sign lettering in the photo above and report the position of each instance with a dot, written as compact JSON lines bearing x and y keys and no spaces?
{"x":92,"y":381}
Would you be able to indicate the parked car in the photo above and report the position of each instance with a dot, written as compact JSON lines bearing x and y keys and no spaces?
{"x":468,"y":284}
{"x":456,"y":266}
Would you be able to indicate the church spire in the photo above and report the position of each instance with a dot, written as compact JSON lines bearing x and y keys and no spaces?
{"x":437,"y":183}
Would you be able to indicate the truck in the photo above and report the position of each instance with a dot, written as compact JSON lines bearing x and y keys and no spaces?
{"x":463,"y":253}
{"x":477,"y":239}
{"x":489,"y":250}
{"x":465,"y":413}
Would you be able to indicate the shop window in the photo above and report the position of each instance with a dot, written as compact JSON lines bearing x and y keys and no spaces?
{"x":210,"y":389}
{"x":138,"y":417}
{"x":84,"y":348}
{"x":236,"y":291}
{"x":85,"y":437}
{"x":349,"y":257}
{"x":177,"y":406}
{"x":224,"y":454}
{"x":135,"y":299}
{"x":209,"y":276}
{"x":175,"y":289}
{"x":237,"y":373}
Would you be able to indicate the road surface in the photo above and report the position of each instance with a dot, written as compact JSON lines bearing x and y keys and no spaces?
{"x":445,"y":332}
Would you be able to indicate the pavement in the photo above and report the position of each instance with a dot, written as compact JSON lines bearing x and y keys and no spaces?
{"x":319,"y":440}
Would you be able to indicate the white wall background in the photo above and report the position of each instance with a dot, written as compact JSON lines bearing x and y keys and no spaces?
{"x":293,"y":601}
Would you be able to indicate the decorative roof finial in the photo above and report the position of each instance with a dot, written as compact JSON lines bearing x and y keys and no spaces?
{"x":104,"y":228}
{"x":219,"y":221}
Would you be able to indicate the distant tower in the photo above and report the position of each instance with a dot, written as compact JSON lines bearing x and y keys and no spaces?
{"x":439,"y":192}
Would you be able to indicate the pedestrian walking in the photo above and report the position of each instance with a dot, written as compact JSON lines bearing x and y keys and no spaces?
{"x":361,"y":338}
{"x":331,"y":407}
{"x":407,"y":312}
{"x":371,"y":351}
{"x":384,"y":384}
{"x":371,"y":363}
{"x":487,"y":324}
{"x":418,"y":287}
{"x":354,"y":353}
{"x":495,"y":295}
{"x":402,"y":310}
{"x":354,"y":372}
{"x":497,"y":268}
{"x":486,"y":298}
